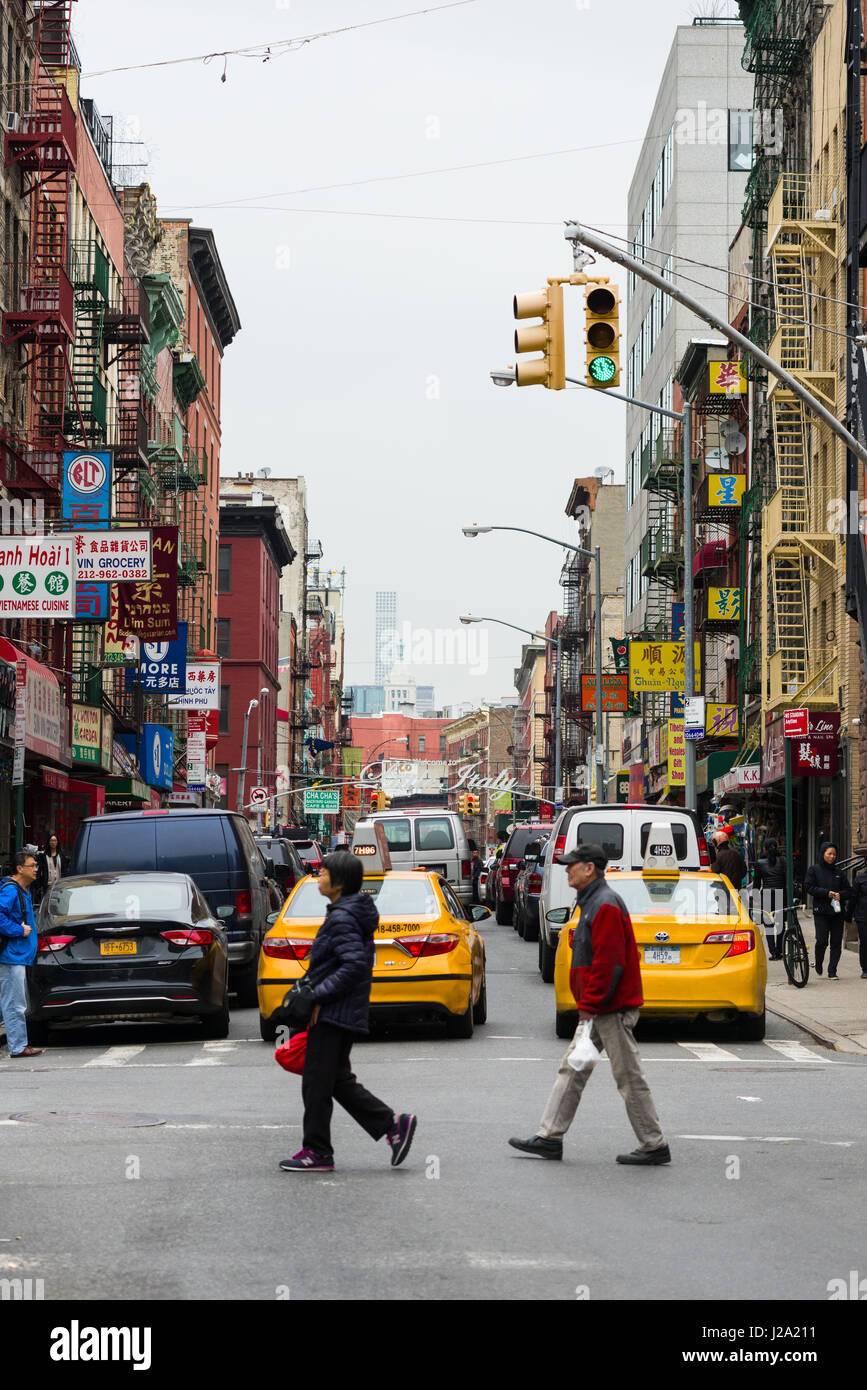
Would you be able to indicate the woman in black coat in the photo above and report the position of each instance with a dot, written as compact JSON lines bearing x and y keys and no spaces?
{"x":769,"y":880}
{"x":830,"y":893}
{"x":341,"y":971}
{"x":858,"y":910}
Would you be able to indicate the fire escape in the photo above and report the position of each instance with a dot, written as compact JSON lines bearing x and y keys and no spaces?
{"x":662,"y":544}
{"x":41,"y":142}
{"x":574,"y":632}
{"x":800,"y":236}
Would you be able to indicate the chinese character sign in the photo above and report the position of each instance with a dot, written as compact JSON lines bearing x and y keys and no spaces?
{"x":659,"y":666}
{"x":615,"y":693}
{"x":726,"y":489}
{"x":36,"y":577}
{"x":676,"y":754}
{"x":721,"y":721}
{"x":723,"y":605}
{"x":151,"y":610}
{"x":727,"y":379}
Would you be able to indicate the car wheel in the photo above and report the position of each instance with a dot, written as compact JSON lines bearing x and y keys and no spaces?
{"x":461,"y":1025}
{"x":547,"y":955}
{"x":751,"y":1027}
{"x":245,"y":985}
{"x":267,"y":1029}
{"x":480,"y":1008}
{"x":566,"y":1024}
{"x":504,"y":914}
{"x":217,"y":1025}
{"x":531,"y":928}
{"x":37,"y":1034}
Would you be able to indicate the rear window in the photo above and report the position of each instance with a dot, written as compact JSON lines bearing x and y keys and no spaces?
{"x":119,"y":844}
{"x":680,"y":835}
{"x":608,"y":834}
{"x":522,"y":837}
{"x":192,"y":845}
{"x":434,"y":832}
{"x":397,"y":834}
{"x":130,"y":898}
{"x":666,"y":897}
{"x":394,"y":897}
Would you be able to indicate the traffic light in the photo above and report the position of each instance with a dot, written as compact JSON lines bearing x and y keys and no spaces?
{"x":384,"y":801}
{"x":463,"y":804}
{"x":602,"y":345}
{"x":546,"y":337}
{"x":474,"y":804}
{"x":375,"y":801}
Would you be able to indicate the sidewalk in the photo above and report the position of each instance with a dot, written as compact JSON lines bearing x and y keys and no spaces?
{"x":834,"y":1011}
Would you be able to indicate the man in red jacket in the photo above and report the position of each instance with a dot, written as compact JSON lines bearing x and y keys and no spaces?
{"x":606,"y":981}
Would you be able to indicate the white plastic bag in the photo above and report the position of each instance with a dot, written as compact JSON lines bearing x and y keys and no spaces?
{"x":584,"y":1054}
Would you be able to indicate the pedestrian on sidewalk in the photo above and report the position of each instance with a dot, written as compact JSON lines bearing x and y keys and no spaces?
{"x":858,"y":911}
{"x":729,"y":860}
{"x":17,"y":951}
{"x":341,"y":963}
{"x":830,"y":891}
{"x":769,"y":881}
{"x":52,"y":866}
{"x":606,"y":982}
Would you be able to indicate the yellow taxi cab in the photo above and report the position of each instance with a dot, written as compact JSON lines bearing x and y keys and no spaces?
{"x":430,"y":958}
{"x":700,"y":952}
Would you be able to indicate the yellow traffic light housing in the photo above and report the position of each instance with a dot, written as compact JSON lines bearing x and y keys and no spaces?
{"x":462,"y":803}
{"x":546,"y":337}
{"x":475,"y":804}
{"x":384,"y":801}
{"x":602,"y":336}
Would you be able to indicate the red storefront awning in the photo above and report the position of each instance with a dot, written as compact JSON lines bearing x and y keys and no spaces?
{"x":44,"y":734}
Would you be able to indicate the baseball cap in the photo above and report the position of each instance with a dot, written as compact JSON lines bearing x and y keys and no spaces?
{"x":584,"y":854}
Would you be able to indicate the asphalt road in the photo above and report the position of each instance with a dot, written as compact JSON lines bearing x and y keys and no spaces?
{"x":102,"y":1200}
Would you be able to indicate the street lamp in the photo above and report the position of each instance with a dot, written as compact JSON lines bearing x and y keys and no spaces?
{"x":601,"y":750}
{"x":242,"y":775}
{"x":558,"y":698}
{"x":504,"y":376}
{"x":263,"y":695}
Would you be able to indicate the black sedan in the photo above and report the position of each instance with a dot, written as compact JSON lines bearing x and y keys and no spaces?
{"x":128,"y":946}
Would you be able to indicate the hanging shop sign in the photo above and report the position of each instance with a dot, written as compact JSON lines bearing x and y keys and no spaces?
{"x":615,"y":693}
{"x":156,"y":754}
{"x":727,"y":379}
{"x":163,"y":665}
{"x":725,"y":490}
{"x":197,"y":751}
{"x":676,"y":753}
{"x":87,"y":735}
{"x":203,"y":687}
{"x":722,"y":721}
{"x":37,"y":577}
{"x":723,"y":605}
{"x":151,"y":610}
{"x":86,"y":502}
{"x":659,"y":666}
{"x":118,"y":557}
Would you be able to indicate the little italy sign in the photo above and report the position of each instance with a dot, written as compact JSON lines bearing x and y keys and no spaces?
{"x":466,"y":777}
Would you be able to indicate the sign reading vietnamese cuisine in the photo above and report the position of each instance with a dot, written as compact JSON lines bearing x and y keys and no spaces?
{"x":37,"y":577}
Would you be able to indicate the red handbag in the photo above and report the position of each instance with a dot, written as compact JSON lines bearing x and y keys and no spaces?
{"x":290,"y":1055}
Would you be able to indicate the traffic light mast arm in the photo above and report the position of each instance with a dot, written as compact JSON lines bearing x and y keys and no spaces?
{"x":575,"y":232}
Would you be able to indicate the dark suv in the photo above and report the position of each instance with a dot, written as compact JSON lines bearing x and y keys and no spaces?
{"x":216,"y":849}
{"x":507,"y":873}
{"x":289,"y":867}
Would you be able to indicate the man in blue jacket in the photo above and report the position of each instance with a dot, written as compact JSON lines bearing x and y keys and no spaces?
{"x":18,"y":942}
{"x":341,"y":964}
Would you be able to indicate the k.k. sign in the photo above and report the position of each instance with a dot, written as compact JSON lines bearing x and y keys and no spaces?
{"x":163,"y":665}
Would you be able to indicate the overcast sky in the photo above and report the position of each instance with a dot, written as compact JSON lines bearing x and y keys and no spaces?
{"x":367,"y":338}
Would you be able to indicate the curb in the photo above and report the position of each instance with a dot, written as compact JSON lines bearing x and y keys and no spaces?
{"x":840,"y":1042}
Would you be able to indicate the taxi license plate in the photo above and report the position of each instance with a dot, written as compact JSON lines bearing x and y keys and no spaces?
{"x":118,"y":948}
{"x":662,"y":955}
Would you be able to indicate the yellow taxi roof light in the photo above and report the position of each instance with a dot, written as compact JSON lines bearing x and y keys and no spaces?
{"x":371,"y":846}
{"x":660,"y":857}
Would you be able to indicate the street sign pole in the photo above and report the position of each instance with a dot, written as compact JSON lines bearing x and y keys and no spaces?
{"x":689,"y":792}
{"x":790,"y":847}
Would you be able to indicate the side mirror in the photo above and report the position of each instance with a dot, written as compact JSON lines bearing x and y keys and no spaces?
{"x":226,"y":910}
{"x":272,"y":918}
{"x":479,"y":913}
{"x":558,"y":914}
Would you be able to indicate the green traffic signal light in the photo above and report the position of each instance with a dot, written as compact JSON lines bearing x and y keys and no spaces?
{"x":602,"y":368}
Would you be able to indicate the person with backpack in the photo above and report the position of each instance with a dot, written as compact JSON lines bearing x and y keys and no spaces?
{"x":769,"y":881}
{"x":830,"y":891}
{"x":17,"y":951}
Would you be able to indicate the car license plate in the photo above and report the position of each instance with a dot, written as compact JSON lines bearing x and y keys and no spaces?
{"x":662,"y":955}
{"x":117,"y":948}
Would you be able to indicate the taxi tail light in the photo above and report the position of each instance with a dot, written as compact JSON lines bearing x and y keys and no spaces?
{"x":571,"y":937}
{"x":740,"y":942}
{"x":46,"y":944}
{"x":199,"y":936}
{"x":427,"y":945}
{"x":703,"y":853}
{"x":287,"y":947}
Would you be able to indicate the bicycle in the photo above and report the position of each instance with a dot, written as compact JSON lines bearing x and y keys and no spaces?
{"x":796,"y":957}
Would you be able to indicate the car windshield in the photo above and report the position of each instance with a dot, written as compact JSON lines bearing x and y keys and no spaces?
{"x":127,"y":898}
{"x":674,"y":897}
{"x":394,"y":897}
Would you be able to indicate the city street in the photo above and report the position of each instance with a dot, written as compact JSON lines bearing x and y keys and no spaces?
{"x":148,"y":1167}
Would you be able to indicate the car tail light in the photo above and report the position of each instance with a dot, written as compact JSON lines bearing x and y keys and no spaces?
{"x":571,"y":937}
{"x":287,"y":947}
{"x":560,"y":845}
{"x":46,"y":944}
{"x":703,"y":854}
{"x":740,"y":941}
{"x":198,"y":936}
{"x":427,"y":945}
{"x":465,"y":868}
{"x":243,"y":903}
{"x":535,"y":884}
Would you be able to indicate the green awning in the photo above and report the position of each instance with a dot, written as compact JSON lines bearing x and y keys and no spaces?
{"x":126,"y":789}
{"x":714,"y":765}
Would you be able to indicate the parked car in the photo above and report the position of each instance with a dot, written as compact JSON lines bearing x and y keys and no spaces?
{"x":128,"y":945}
{"x":429,"y":839}
{"x":528,"y":886}
{"x":507,"y":871}
{"x":491,"y":880}
{"x":289,"y":867}
{"x":217,"y":850}
{"x":310,"y":854}
{"x":622,"y":830}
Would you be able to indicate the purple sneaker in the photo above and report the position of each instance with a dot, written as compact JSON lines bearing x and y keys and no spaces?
{"x":306,"y":1161}
{"x":400,"y":1137}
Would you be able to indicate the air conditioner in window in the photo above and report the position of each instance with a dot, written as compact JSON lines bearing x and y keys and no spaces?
{"x":13,"y":122}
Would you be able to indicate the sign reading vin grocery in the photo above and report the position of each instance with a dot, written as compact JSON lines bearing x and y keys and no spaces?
{"x":122,"y":557}
{"x":36,"y":577}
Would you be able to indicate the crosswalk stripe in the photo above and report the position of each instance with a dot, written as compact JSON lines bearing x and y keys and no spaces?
{"x":116,"y":1056}
{"x":204,"y":1062}
{"x":796,"y":1051}
{"x":709,"y":1052}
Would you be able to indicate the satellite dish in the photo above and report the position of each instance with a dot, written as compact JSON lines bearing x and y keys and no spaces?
{"x":603,"y":473}
{"x":264,"y":473}
{"x":733,"y":441}
{"x":717,"y":460}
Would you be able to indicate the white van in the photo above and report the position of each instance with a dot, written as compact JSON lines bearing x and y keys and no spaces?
{"x":622,"y":831}
{"x":428,"y":839}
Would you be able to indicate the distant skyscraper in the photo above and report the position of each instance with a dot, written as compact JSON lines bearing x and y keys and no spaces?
{"x":387,"y":640}
{"x":425,"y":700}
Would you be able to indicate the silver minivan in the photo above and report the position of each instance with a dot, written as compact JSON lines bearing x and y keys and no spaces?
{"x":622,"y":831}
{"x":429,"y":839}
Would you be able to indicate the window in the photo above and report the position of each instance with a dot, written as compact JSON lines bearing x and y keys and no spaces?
{"x":397,"y":834}
{"x":224,"y":636}
{"x":433,"y":833}
{"x":421,"y":743}
{"x":224,"y":570}
{"x":608,"y":834}
{"x":192,"y":845}
{"x":742,"y":156}
{"x":223,"y":724}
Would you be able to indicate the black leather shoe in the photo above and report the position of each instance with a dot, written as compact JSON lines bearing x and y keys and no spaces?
{"x":542,"y":1148}
{"x":818,"y":968}
{"x":646,"y":1158}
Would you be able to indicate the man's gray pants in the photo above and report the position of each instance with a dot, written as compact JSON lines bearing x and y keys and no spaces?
{"x":613,"y":1033}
